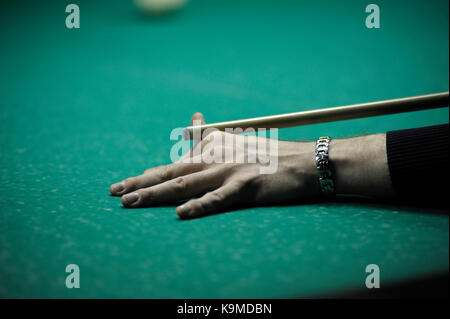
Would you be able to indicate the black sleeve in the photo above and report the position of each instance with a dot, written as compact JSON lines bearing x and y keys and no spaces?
{"x":418,"y":164}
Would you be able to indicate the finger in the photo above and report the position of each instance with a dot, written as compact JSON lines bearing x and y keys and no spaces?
{"x":210,"y":203}
{"x":155,"y":175}
{"x":174,"y":190}
{"x":198,"y":117}
{"x":216,"y":138}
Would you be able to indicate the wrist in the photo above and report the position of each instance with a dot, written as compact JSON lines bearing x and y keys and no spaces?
{"x":299,"y":162}
{"x":360,"y":166}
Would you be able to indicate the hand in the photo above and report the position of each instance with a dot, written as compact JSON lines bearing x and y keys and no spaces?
{"x":217,"y":187}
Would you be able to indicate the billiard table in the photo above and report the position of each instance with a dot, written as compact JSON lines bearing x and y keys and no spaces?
{"x":85,"y":107}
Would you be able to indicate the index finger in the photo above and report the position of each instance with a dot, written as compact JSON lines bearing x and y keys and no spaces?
{"x":198,"y":117}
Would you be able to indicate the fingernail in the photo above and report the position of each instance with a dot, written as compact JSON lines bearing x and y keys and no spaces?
{"x":118,"y":187}
{"x":184,"y":209}
{"x":131,"y":198}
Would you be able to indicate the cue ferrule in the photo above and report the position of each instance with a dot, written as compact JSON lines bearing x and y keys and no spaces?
{"x":332,"y":114}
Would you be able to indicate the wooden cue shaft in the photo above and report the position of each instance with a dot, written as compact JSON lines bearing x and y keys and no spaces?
{"x":332,"y":114}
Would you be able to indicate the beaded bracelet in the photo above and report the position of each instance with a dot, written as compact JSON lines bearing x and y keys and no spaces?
{"x":324,"y":166}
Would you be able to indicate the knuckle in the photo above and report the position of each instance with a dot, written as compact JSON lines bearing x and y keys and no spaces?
{"x":180,"y":184}
{"x":163,"y":173}
{"x":215,"y":198}
{"x":214,"y":136}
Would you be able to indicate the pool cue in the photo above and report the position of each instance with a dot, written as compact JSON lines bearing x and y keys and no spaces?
{"x":332,"y":114}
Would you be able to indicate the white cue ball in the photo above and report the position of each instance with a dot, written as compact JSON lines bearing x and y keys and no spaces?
{"x":155,"y":7}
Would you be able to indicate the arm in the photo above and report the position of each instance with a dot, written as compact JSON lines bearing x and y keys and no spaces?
{"x":418,"y":164}
{"x":360,"y":165}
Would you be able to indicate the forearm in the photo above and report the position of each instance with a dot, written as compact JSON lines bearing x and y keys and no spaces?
{"x":409,"y":162}
{"x":361,"y":166}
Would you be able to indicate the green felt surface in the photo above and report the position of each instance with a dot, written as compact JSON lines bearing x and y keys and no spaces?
{"x":80,"y":109}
